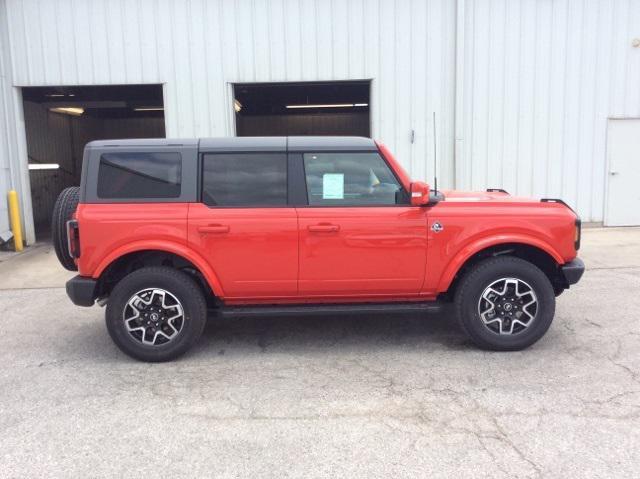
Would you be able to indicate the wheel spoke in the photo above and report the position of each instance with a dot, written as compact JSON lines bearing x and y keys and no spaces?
{"x":533,"y":302}
{"x":137,"y":301}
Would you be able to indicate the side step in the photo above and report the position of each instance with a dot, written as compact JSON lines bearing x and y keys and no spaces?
{"x":328,"y":309}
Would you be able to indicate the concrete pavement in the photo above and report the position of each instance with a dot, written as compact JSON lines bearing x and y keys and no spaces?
{"x":401,"y":396}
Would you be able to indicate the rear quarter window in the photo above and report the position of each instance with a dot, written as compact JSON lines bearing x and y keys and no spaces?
{"x":138,"y":175}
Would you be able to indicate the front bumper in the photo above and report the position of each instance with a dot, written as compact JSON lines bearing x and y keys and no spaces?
{"x":572,"y":271}
{"x":82,"y":290}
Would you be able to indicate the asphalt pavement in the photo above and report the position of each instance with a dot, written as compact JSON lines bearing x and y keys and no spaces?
{"x":358,"y":396}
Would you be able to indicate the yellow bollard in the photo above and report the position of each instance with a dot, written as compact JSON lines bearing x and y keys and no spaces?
{"x":14,"y":214}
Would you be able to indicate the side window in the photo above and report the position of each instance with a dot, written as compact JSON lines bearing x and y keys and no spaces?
{"x":351,"y":179}
{"x":244,"y":179}
{"x":139,"y":175}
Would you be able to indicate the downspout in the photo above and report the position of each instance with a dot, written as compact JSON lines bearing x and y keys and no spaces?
{"x":458,"y":159}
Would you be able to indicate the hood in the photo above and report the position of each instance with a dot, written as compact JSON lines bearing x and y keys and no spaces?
{"x":480,"y":196}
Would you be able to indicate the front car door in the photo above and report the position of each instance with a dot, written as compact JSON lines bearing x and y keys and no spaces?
{"x":244,"y":226}
{"x":359,"y":236}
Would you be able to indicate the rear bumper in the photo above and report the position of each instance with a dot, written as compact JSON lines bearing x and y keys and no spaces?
{"x":573,"y":270}
{"x":82,"y":290}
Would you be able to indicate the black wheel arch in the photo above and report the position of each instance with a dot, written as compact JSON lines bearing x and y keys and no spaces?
{"x":531,"y":254}
{"x":130,"y":262}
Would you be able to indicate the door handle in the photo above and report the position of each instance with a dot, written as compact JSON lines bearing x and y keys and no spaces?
{"x":213,"y":229}
{"x":323,"y":228}
{"x":613,"y":173}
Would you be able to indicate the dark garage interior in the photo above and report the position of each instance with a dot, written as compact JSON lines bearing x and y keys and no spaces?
{"x":60,"y":121}
{"x":309,"y":108}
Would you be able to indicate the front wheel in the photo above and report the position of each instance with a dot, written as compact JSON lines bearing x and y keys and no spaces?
{"x":156,"y":314}
{"x":505,"y":304}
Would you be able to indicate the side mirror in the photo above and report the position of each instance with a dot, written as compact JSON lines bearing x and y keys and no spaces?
{"x":419,"y":193}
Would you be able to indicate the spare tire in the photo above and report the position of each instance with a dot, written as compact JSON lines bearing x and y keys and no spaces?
{"x":63,"y":210}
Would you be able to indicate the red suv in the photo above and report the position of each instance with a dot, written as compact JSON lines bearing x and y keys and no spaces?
{"x":165,"y":232}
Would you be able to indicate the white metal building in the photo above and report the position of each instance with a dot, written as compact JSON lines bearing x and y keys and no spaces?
{"x":524,"y":90}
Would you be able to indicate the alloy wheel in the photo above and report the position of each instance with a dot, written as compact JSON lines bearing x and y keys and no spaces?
{"x":508,"y":306}
{"x":153,"y":316}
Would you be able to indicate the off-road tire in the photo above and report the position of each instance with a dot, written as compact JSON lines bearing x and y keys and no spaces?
{"x":180,"y":285}
{"x":483,"y":274}
{"x":63,"y":210}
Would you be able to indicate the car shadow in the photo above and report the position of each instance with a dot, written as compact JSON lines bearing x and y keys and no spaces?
{"x":312,"y":334}
{"x":353,"y":331}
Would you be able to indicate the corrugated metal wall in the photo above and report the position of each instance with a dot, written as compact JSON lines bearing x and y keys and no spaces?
{"x":537,"y":77}
{"x":196,"y":48}
{"x":7,"y":125}
{"x":540,"y":80}
{"x":12,"y":144}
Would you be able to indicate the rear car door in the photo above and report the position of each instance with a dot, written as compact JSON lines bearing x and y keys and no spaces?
{"x":359,"y":235}
{"x":243,"y":224}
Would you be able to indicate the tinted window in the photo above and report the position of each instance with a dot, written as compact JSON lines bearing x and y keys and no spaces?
{"x":350,"y":179}
{"x":139,"y":175}
{"x":244,"y":179}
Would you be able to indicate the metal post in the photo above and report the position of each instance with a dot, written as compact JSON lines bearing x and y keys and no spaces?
{"x":16,"y":223}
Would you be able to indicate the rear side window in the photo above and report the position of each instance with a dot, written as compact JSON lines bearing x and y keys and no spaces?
{"x":244,"y":179}
{"x":140,"y":175}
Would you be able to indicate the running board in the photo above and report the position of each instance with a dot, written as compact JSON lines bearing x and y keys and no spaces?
{"x":328,"y":309}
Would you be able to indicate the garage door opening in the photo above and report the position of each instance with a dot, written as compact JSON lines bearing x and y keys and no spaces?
{"x":310,"y":108}
{"x":60,"y":121}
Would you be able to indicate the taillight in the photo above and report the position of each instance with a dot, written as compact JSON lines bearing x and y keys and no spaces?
{"x":578,"y":233}
{"x":73,"y":238}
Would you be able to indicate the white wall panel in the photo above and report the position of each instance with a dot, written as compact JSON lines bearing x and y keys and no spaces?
{"x":197,"y":47}
{"x":6,"y":122}
{"x":13,"y":155}
{"x":540,"y":80}
{"x":538,"y":77}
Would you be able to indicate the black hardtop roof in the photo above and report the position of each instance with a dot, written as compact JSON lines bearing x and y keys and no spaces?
{"x":248,"y":143}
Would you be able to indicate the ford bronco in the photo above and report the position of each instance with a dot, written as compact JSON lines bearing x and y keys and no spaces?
{"x":164,"y":232}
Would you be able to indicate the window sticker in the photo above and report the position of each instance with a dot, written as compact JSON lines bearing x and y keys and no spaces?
{"x":373,"y":181}
{"x":333,"y":186}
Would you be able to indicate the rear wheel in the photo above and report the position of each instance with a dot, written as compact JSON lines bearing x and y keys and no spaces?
{"x":63,"y":210}
{"x":156,"y":314}
{"x":505,"y":304}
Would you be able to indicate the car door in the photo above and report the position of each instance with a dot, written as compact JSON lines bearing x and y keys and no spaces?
{"x":243,"y":225}
{"x":359,"y":236}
